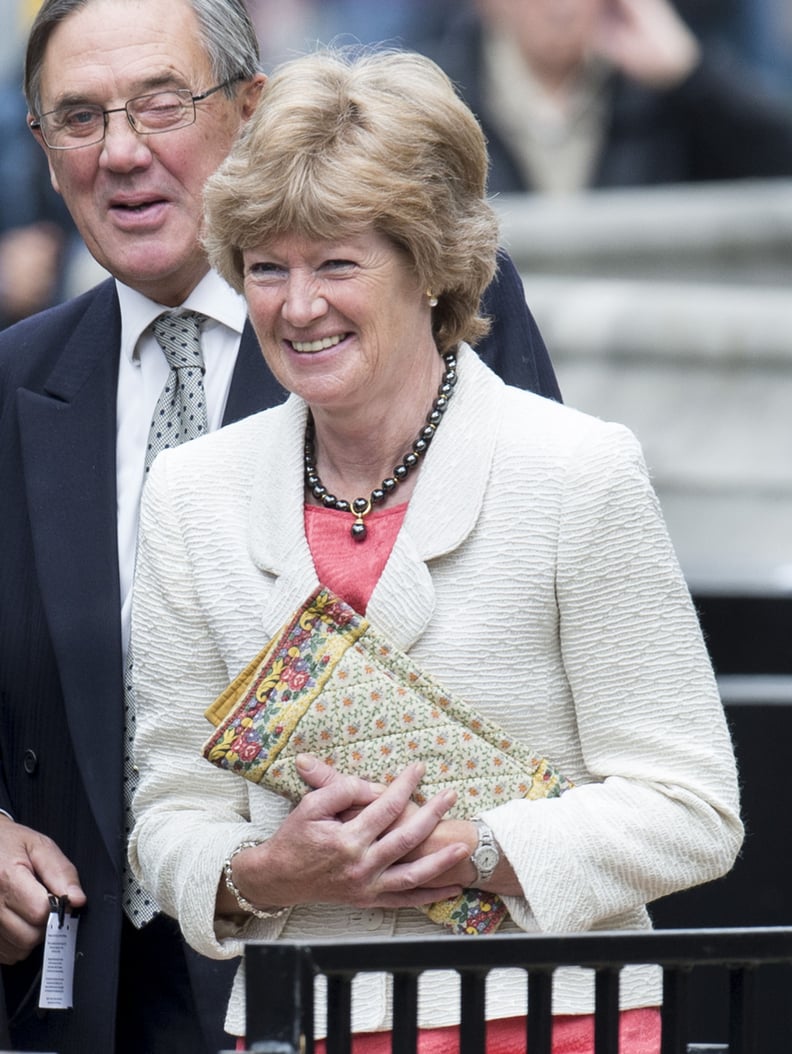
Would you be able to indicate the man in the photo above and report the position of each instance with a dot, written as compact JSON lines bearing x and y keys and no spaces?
{"x":78,"y":389}
{"x":608,"y":93}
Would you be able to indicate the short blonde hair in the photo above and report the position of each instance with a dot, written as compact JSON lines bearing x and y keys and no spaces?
{"x":346,"y":140}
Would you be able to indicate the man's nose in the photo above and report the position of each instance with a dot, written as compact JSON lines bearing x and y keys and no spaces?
{"x":122,"y":146}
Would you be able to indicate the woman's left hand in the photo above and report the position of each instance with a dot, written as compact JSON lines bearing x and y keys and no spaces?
{"x":350,"y":841}
{"x":446,"y":832}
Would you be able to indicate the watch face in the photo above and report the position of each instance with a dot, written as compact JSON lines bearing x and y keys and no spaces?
{"x":487,"y":858}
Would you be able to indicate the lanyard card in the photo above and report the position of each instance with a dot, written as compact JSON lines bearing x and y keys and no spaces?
{"x":57,"y":972}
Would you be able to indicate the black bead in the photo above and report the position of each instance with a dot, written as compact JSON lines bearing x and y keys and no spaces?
{"x":361,"y":506}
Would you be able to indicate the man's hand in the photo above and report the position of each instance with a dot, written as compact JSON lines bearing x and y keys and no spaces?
{"x":647,"y":41}
{"x":31,"y":867}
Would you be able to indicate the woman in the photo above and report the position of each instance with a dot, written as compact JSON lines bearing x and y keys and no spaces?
{"x":523,"y":547}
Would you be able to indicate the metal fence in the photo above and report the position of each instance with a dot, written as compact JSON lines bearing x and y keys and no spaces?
{"x":281,"y":974}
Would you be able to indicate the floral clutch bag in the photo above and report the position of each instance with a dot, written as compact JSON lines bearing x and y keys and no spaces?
{"x":330,"y":684}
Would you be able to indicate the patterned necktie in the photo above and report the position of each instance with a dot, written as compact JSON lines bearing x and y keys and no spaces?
{"x":180,"y":415}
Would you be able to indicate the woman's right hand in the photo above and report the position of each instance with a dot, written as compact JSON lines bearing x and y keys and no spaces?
{"x":345,"y":842}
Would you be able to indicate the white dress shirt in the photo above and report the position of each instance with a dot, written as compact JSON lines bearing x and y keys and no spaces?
{"x":142,"y":373}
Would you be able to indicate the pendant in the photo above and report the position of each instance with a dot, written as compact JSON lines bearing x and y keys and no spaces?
{"x":360,"y":507}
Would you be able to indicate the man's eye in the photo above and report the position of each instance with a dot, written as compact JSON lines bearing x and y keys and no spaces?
{"x":79,"y":120}
{"x":159,"y":109}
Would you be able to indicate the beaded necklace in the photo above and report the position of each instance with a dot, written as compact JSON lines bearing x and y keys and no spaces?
{"x":361,"y":507}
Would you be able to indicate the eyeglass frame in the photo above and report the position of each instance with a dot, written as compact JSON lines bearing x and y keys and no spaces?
{"x":37,"y":125}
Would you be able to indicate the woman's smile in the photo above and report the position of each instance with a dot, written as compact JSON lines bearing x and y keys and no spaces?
{"x":320,"y":344}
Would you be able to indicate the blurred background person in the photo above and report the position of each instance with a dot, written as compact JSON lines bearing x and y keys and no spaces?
{"x":575,"y":94}
{"x":288,"y":26}
{"x":35,"y":227}
{"x":42,"y":257}
{"x":36,"y":231}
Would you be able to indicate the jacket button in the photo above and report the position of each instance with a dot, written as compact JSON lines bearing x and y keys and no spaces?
{"x":30,"y":762}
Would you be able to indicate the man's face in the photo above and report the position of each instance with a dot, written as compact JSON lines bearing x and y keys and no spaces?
{"x":136,"y":199}
{"x":550,"y":33}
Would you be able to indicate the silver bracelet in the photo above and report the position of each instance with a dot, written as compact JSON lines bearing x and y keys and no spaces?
{"x":243,"y":902}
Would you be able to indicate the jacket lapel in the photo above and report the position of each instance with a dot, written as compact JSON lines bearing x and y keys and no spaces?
{"x":444,"y":507}
{"x":68,"y":435}
{"x":443,"y":510}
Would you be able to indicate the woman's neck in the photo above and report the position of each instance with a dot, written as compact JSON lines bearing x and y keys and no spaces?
{"x":355,"y":450}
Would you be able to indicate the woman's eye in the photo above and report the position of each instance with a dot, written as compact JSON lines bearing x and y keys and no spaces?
{"x":338,"y":265}
{"x":265,"y":269}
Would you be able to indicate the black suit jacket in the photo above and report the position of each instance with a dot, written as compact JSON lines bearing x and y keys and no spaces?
{"x":721,"y":123}
{"x":61,"y":697}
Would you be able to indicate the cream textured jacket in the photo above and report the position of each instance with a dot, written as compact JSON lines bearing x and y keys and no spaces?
{"x":533,"y":575}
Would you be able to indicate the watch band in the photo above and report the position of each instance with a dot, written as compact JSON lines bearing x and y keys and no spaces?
{"x":486,"y":856}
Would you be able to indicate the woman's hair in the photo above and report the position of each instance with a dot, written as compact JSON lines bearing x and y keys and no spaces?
{"x":347,"y":140}
{"x":226,"y":31}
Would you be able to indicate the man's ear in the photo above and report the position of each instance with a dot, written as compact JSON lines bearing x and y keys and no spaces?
{"x":36,"y":133}
{"x":251,"y":93}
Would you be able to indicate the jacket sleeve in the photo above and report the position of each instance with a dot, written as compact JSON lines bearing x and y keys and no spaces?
{"x":189,"y":815}
{"x":514,"y":347}
{"x":658,"y":810}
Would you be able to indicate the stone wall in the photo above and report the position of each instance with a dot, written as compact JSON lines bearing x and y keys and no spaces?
{"x":670,"y":310}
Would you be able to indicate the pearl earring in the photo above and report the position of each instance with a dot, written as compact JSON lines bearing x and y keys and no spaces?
{"x":432,"y":298}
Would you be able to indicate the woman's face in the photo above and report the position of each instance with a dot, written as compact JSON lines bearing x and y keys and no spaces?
{"x":344,"y":324}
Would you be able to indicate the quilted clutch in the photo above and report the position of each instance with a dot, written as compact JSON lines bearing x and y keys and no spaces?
{"x":331,"y":685}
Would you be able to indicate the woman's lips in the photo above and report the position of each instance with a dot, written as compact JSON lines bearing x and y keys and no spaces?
{"x":317,"y":345}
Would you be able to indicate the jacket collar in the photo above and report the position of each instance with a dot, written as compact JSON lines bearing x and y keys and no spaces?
{"x":443,"y":510}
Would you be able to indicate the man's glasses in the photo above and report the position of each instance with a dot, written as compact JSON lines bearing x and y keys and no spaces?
{"x":70,"y":127}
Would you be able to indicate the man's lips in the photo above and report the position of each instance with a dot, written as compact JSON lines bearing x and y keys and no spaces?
{"x":138,"y":205}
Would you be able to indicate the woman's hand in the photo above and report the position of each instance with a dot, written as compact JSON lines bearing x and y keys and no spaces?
{"x":349,"y":841}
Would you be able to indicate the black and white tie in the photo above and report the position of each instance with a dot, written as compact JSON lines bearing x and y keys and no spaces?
{"x":180,"y":415}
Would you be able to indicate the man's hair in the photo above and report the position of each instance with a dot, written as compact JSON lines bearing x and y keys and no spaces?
{"x":226,"y":31}
{"x":346,"y":140}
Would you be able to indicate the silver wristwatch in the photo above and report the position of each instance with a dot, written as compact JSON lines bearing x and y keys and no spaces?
{"x":486,"y":855}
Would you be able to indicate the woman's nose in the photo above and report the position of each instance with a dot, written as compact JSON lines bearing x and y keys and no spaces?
{"x":303,"y":303}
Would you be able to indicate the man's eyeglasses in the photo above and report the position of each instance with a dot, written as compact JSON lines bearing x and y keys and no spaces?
{"x":83,"y":124}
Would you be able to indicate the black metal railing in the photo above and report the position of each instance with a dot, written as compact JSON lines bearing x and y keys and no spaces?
{"x":280,"y":984}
